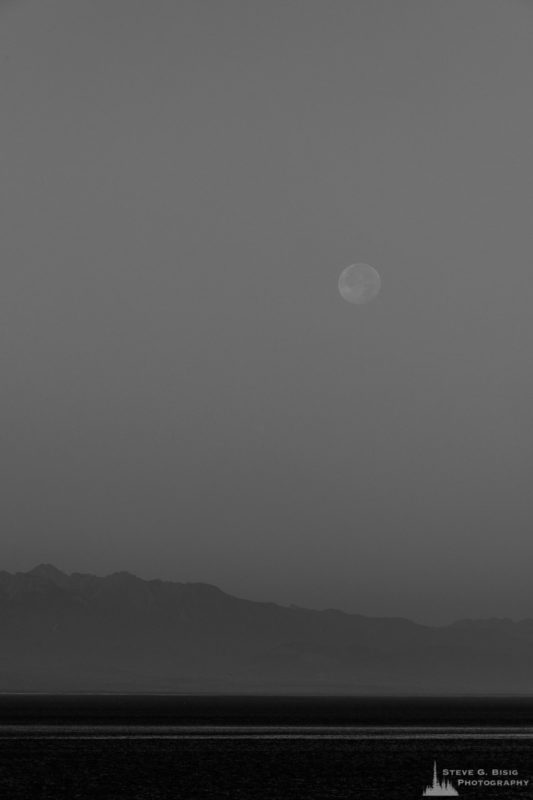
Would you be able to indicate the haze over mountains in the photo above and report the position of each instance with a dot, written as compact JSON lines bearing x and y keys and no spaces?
{"x":85,"y":633}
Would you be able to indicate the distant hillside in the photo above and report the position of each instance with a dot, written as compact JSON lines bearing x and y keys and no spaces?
{"x":80,"y":632}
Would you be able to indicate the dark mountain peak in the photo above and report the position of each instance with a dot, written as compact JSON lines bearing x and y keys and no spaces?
{"x":124,"y":577}
{"x":206,"y":588}
{"x":49,"y":573}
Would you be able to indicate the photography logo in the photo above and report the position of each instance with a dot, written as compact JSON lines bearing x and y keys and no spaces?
{"x":439,"y":788}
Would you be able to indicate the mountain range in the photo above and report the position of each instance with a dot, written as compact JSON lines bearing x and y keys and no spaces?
{"x":120,"y":633}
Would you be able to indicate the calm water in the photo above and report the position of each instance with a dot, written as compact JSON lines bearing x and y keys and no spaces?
{"x":264,"y":748}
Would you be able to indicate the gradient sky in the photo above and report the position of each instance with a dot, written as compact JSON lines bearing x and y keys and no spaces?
{"x":184,"y":394}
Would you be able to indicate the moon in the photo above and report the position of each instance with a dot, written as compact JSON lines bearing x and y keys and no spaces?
{"x":359,"y":284}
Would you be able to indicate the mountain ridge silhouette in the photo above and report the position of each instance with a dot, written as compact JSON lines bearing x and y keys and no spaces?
{"x":80,"y":632}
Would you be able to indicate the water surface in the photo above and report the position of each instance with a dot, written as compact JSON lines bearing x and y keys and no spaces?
{"x":266,"y":748}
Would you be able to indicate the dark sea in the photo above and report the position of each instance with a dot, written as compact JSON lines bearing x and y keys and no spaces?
{"x":264,"y":748}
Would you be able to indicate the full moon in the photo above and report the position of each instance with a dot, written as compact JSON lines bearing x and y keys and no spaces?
{"x":359,"y":283}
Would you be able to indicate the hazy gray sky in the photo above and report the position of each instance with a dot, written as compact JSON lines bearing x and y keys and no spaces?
{"x":185,"y":395}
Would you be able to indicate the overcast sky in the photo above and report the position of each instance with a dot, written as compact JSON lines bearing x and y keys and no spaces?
{"x":185,"y":395}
